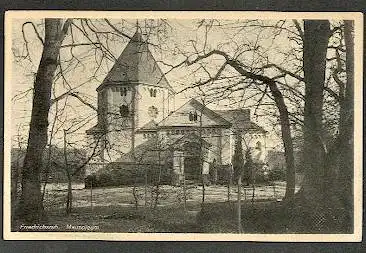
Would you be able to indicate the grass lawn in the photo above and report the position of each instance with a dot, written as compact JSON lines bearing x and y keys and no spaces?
{"x":113,"y":209}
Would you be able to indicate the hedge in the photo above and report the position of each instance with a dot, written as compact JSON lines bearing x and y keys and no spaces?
{"x":117,"y":174}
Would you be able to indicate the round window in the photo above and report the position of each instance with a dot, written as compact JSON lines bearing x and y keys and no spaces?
{"x":153,"y":111}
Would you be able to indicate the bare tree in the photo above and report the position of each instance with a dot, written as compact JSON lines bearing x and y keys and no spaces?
{"x":267,"y":85}
{"x":80,"y":40}
{"x":31,"y":207}
{"x":324,"y":191}
{"x":316,"y":37}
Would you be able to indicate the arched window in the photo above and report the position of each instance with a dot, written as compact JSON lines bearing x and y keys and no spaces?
{"x":193,"y":116}
{"x":258,"y":145}
{"x":152,"y":92}
{"x":124,"y":111}
{"x":123,"y":91}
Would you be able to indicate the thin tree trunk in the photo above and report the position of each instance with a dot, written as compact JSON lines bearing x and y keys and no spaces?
{"x":203,"y":190}
{"x":239,"y":204}
{"x":68,"y":174}
{"x":15,"y":174}
{"x":287,"y":141}
{"x":69,"y":193}
{"x":184,"y":192}
{"x":228,"y":187}
{"x":31,"y":206}
{"x":284,"y":121}
{"x":157,"y":189}
{"x":145,"y":188}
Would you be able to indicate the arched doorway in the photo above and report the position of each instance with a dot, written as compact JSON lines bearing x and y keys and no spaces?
{"x":189,"y":152}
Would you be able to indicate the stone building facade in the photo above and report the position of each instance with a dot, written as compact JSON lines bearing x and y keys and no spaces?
{"x":137,"y":117}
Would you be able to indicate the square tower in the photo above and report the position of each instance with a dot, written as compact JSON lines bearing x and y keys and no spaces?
{"x":134,"y":92}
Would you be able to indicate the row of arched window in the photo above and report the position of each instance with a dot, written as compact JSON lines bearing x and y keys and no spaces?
{"x":149,"y":135}
{"x":204,"y":131}
{"x":152,"y":92}
{"x":122,"y":90}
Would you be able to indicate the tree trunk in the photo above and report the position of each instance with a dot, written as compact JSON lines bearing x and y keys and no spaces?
{"x":69,"y":193}
{"x":31,"y":206}
{"x":316,"y":36}
{"x":346,"y":128}
{"x":284,"y":121}
{"x":287,"y":141}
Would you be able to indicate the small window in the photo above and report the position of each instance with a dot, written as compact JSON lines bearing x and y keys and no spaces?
{"x":152,"y":92}
{"x":193,"y":116}
{"x":153,"y":111}
{"x":258,"y":145}
{"x":123,"y":91}
{"x":124,"y":111}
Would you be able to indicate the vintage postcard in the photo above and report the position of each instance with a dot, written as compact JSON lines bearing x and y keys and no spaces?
{"x":242,"y":126}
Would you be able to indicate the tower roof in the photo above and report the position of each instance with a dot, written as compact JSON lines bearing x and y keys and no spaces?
{"x":136,"y":64}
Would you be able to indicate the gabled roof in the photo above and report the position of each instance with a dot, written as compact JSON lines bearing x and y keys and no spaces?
{"x":240,"y":119}
{"x":136,"y":64}
{"x":179,"y":118}
{"x":205,"y":110}
{"x":235,"y":115}
{"x":150,"y":126}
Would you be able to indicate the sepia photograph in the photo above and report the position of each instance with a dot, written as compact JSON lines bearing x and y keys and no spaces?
{"x":242,"y":126}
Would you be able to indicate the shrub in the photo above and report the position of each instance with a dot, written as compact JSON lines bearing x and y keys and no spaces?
{"x":277,"y":173}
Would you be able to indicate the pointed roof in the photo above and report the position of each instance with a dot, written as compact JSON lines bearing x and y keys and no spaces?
{"x":136,"y":64}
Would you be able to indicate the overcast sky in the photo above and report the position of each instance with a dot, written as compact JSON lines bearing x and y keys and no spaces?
{"x":169,"y":44}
